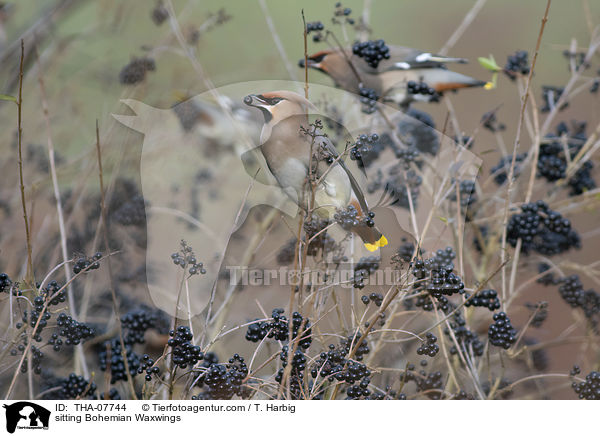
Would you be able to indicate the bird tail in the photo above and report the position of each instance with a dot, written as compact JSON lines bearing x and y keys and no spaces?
{"x":446,"y":80}
{"x":372,"y":238}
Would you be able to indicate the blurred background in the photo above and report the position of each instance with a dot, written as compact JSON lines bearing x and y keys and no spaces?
{"x":80,"y":49}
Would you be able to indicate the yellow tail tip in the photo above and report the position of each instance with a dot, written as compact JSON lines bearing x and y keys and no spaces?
{"x":489,"y":85}
{"x":382,"y":242}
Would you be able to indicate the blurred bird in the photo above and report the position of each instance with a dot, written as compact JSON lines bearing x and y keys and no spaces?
{"x":406,"y":75}
{"x":286,"y":142}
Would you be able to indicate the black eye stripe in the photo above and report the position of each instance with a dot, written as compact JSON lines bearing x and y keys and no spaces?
{"x":318,"y":58}
{"x":270,"y":100}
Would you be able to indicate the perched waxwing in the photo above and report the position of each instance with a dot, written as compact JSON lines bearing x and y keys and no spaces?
{"x":402,"y":75}
{"x":286,"y":147}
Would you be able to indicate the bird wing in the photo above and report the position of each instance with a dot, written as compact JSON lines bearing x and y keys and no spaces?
{"x":405,"y":58}
{"x":353,"y":183}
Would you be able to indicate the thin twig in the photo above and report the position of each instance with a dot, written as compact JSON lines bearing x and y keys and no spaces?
{"x":305,"y":35}
{"x":59,"y":211}
{"x":288,"y":65}
{"x":460,"y":30}
{"x":110,"y":272}
{"x":30,"y":279}
{"x":517,"y":142}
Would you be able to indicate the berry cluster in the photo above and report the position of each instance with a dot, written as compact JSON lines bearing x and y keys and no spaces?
{"x":112,"y":394}
{"x":485,"y":298}
{"x":466,"y":190}
{"x":6,"y":284}
{"x":321,"y":242}
{"x":421,"y":88}
{"x":372,"y":52}
{"x":368,"y":99}
{"x":224,"y":381}
{"x":316,"y":27}
{"x":553,"y":159}
{"x":429,"y":347}
{"x":542,"y":230}
{"x":444,"y":281}
{"x":540,"y":313}
{"x":550,"y":96}
{"x":363,"y":269}
{"x":572,"y":291}
{"x":435,"y":278}
{"x":578,"y":59}
{"x":590,"y":388}
{"x":185,"y":353}
{"x":501,"y":333}
{"x":398,"y":184}
{"x":501,"y":170}
{"x":31,"y":318}
{"x":418,"y":130}
{"x":481,"y":238}
{"x":406,"y":250}
{"x":297,"y":373}
{"x":348,"y":218}
{"x":159,"y":13}
{"x":431,"y":383}
{"x":407,"y":156}
{"x":75,"y":332}
{"x":467,"y":340}
{"x":53,"y":293}
{"x":135,"y":71}
{"x":335,"y":366}
{"x":132,"y":212}
{"x":111,"y":359}
{"x":342,"y":12}
{"x":147,"y":365}
{"x":548,"y":278}
{"x":374,"y":297}
{"x":137,"y":322}
{"x":74,"y":387}
{"x":36,"y":358}
{"x":278,"y":328}
{"x":582,"y":180}
{"x":371,"y":152}
{"x":516,"y":64}
{"x":424,"y":301}
{"x":436,"y":274}
{"x":366,"y":147}
{"x":186,"y":258}
{"x":85,"y":263}
{"x":491,"y":123}
{"x":287,"y":252}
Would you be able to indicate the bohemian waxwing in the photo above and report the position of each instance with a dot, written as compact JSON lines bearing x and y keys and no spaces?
{"x":392,"y":77}
{"x":286,"y":147}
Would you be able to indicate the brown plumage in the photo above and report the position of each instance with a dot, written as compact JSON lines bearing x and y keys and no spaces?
{"x":287,"y":151}
{"x":389,"y":80}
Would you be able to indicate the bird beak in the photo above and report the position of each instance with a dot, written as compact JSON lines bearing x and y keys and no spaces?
{"x":257,"y":102}
{"x":310,"y":63}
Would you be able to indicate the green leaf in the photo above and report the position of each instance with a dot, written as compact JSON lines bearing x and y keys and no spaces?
{"x":8,"y":98}
{"x":489,"y":63}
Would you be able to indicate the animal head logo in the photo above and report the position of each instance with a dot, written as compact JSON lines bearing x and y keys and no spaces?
{"x":203,"y":175}
{"x":24,"y":414}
